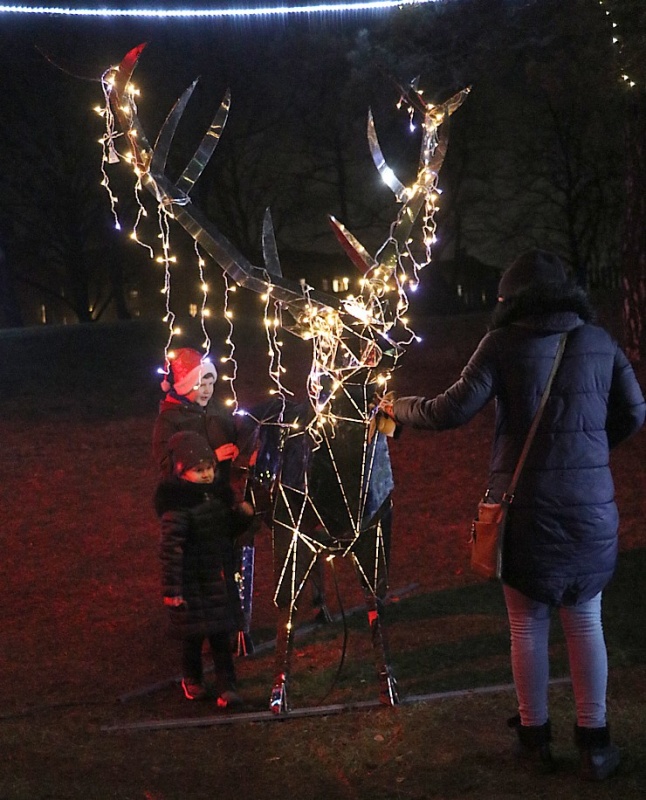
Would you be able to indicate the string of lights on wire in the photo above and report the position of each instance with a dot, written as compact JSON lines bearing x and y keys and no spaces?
{"x":112,"y":155}
{"x":355,"y":341}
{"x":618,"y":42}
{"x":212,"y":13}
{"x":394,"y":269}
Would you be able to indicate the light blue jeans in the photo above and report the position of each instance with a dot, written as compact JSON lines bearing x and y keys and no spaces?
{"x":529,"y":623}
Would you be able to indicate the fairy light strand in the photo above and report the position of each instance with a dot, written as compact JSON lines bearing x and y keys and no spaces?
{"x":271,"y":323}
{"x":204,"y":311}
{"x":167,"y":259}
{"x":137,"y":161}
{"x":230,"y":358}
{"x":333,"y":361}
{"x":213,"y":13}
{"x":618,"y":44}
{"x":347,"y":342}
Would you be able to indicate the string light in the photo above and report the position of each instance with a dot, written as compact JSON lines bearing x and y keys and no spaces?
{"x":213,"y":13}
{"x":230,"y":358}
{"x":138,"y":161}
{"x":204,"y":311}
{"x":355,"y":343}
{"x":274,"y":350}
{"x":333,"y":332}
{"x":337,"y":370}
{"x":617,"y":41}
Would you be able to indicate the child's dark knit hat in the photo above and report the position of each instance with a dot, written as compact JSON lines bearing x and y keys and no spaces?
{"x":187,"y":368}
{"x":535,"y":269}
{"x":187,"y":449}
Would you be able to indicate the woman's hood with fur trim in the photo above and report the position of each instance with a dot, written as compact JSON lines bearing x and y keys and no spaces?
{"x":534,"y":303}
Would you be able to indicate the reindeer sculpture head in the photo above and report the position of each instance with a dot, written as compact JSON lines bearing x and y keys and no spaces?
{"x":325,"y":465}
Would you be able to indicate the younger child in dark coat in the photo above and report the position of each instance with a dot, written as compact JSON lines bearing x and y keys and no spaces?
{"x":199,"y":523}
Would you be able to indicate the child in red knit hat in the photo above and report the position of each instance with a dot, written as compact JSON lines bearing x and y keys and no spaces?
{"x":186,"y":407}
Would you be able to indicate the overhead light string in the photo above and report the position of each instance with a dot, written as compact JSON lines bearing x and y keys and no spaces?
{"x":214,"y":13}
{"x":618,"y":44}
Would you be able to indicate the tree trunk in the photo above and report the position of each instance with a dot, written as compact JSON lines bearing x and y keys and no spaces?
{"x":116,"y":258}
{"x":10,"y":312}
{"x":634,"y":237}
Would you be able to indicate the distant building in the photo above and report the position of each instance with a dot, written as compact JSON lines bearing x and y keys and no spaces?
{"x":446,"y":287}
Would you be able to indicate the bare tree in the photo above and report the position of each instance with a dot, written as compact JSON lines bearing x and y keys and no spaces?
{"x":626,"y":24}
{"x":52,"y":207}
{"x":533,"y":159}
{"x":10,"y":312}
{"x":634,"y":236}
{"x":558,"y":177}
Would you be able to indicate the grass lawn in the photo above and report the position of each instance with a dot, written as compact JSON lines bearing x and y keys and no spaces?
{"x":82,"y":635}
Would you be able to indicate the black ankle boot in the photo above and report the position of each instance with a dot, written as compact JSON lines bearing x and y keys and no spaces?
{"x":599,"y":757}
{"x":534,"y":744}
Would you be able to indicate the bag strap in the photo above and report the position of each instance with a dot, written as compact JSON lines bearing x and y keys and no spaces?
{"x":509,"y":494}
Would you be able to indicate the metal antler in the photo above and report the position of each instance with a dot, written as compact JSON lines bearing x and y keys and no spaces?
{"x":150,"y":162}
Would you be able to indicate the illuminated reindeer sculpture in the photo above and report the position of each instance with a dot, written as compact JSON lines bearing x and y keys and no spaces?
{"x":324,"y":464}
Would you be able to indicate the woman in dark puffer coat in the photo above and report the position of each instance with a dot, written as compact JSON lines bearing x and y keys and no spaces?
{"x":561,"y":542}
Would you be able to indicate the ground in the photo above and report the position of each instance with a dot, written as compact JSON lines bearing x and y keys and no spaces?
{"x":82,"y":631}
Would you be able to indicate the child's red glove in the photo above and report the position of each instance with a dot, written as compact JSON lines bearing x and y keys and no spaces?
{"x":174,"y":602}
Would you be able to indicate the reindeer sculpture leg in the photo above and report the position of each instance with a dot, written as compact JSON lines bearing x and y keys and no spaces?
{"x":371,"y":556}
{"x":388,"y":694}
{"x":317,"y":580}
{"x":278,"y":702}
{"x":245,"y":646}
{"x":295,"y":565}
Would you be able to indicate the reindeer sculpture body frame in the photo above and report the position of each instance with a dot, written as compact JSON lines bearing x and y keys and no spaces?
{"x":324,"y":464}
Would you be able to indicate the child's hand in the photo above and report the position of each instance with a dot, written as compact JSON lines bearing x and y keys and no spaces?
{"x":384,"y":419}
{"x":227,"y":452}
{"x":386,"y":405}
{"x":174,"y":602}
{"x":246,"y":508}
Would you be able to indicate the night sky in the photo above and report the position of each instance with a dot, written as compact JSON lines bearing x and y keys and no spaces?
{"x":526,"y":143}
